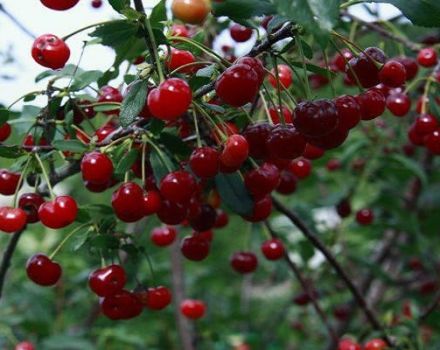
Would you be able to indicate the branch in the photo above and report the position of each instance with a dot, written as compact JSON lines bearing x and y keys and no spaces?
{"x":371,"y":317}
{"x":70,"y":169}
{"x":17,"y":22}
{"x":7,"y":256}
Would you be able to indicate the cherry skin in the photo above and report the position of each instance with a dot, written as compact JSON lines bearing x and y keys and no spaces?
{"x":163,"y":236}
{"x":178,"y":186}
{"x":316,"y":118}
{"x":170,"y":100}
{"x":333,"y":164}
{"x":59,"y":5}
{"x":425,"y":124}
{"x":349,"y":112}
{"x":30,"y":203}
{"x":365,"y":68}
{"x":158,"y":298}
{"x":24,"y":345}
{"x":193,"y":309}
{"x":121,"y":306}
{"x":255,"y":65}
{"x":96,"y":4}
{"x":372,"y":104}
{"x":238,"y":85}
{"x":108,"y":280}
{"x":204,"y":162}
{"x":235,"y":152}
{"x":375,"y":344}
{"x":275,"y":115}
{"x":8,"y":182}
{"x":273,"y":249}
{"x":195,"y":248}
{"x":96,"y":168}
{"x":190,"y":11}
{"x":172,"y":213}
{"x":313,"y":152}
{"x":179,"y":30}
{"x":343,"y":208}
{"x":43,"y":271}
{"x":365,"y":217}
{"x":240,"y":33}
{"x":179,"y":58}
{"x":263,"y":180}
{"x":398,"y":104}
{"x":285,"y":142}
{"x":284,"y":76}
{"x":256,"y":135}
{"x":50,"y":51}
{"x":287,"y":184}
{"x":261,"y":211}
{"x":432,"y":142}
{"x":204,"y":219}
{"x":222,"y":219}
{"x":127,"y":202}
{"x":301,"y":168}
{"x":244,"y":262}
{"x":5,"y":132}
{"x":12,"y":219}
{"x":410,"y":65}
{"x":340,"y":61}
{"x":348,"y":344}
{"x":427,"y":57}
{"x":414,"y":137}
{"x":152,"y":202}
{"x":393,"y":74}
{"x":58,"y":213}
{"x":110,"y":94}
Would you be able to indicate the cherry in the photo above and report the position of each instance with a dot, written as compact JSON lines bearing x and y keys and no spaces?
{"x":349,"y":111}
{"x":235,"y":152}
{"x":313,"y":152}
{"x":96,"y":4}
{"x":227,"y":128}
{"x":261,"y":211}
{"x":364,"y":217}
{"x":365,"y":68}
{"x":410,"y":65}
{"x":263,"y":180}
{"x":316,"y":118}
{"x":340,"y":60}
{"x":172,"y":213}
{"x":121,"y":306}
{"x":96,"y":168}
{"x":425,"y":124}
{"x":273,"y":249}
{"x":30,"y":203}
{"x":102,"y":133}
{"x":179,"y":58}
{"x":240,"y":33}
{"x":301,"y":299}
{"x":108,"y":280}
{"x":432,"y":141}
{"x":163,"y":236}
{"x":393,"y":74}
{"x":343,"y":208}
{"x":59,"y":5}
{"x":255,"y":65}
{"x":179,"y":30}
{"x":348,"y":344}
{"x":238,"y":85}
{"x":59,"y":212}
{"x":193,"y":309}
{"x":284,"y":76}
{"x":244,"y":262}
{"x":285,"y":142}
{"x":333,"y":164}
{"x":158,"y":298}
{"x":275,"y":115}
{"x":178,"y":186}
{"x":301,"y":168}
{"x":152,"y":202}
{"x":195,"y":248}
{"x":427,"y":57}
{"x":287,"y":183}
{"x":372,"y":104}
{"x":50,"y":51}
{"x":5,"y":132}
{"x":8,"y":182}
{"x":398,"y":104}
{"x":42,"y":270}
{"x":204,"y":218}
{"x":375,"y":344}
{"x":110,"y":94}
{"x":127,"y":202}
{"x":190,"y":11}
{"x":204,"y":162}
{"x":170,"y":99}
{"x":12,"y":219}
{"x":24,"y":345}
{"x":342,"y":312}
{"x":414,"y":137}
{"x":256,"y":135}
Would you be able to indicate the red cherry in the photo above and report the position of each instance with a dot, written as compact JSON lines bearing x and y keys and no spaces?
{"x":59,"y":5}
{"x":222,"y":219}
{"x":342,"y":312}
{"x":204,"y":217}
{"x":108,"y":280}
{"x":127,"y":202}
{"x":97,"y":187}
{"x":414,"y":137}
{"x":5,"y":132}
{"x":42,"y":270}
{"x":195,"y":248}
{"x":284,"y":76}
{"x":12,"y":219}
{"x":102,"y":133}
{"x":333,"y":164}
{"x":170,"y":99}
{"x":432,"y":142}
{"x":313,"y":152}
{"x":158,"y":298}
{"x":348,"y":344}
{"x":427,"y":57}
{"x":30,"y":203}
{"x":316,"y":118}
{"x":287,"y":183}
{"x":240,"y":33}
{"x":365,"y":217}
{"x":393,"y":74}
{"x":256,"y":135}
{"x":172,"y":213}
{"x":261,"y":211}
{"x":273,"y":249}
{"x":398,"y":104}
{"x":178,"y":186}
{"x":121,"y":306}
{"x":96,"y":4}
{"x":59,"y":212}
{"x":204,"y":162}
{"x":179,"y":30}
{"x":235,"y":152}
{"x":425,"y":124}
{"x":301,"y":168}
{"x":238,"y":85}
{"x":110,"y":94}
{"x":50,"y":51}
{"x":227,"y":128}
{"x":193,"y":309}
{"x":340,"y":60}
{"x":410,"y":65}
{"x":263,"y":180}
{"x":255,"y":65}
{"x":275,"y":115}
{"x":24,"y":345}
{"x":96,"y":168}
{"x":152,"y":202}
{"x":375,"y":344}
{"x":365,"y":67}
{"x":285,"y":142}
{"x":349,"y":111}
{"x":8,"y":182}
{"x":343,"y":208}
{"x":179,"y":58}
{"x":163,"y":236}
{"x":372,"y":104}
{"x":244,"y":262}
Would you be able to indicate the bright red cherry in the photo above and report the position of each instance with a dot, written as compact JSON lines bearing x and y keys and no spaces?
{"x":102,"y":133}
{"x":375,"y":344}
{"x":365,"y":217}
{"x":284,"y":75}
{"x":170,"y":99}
{"x":108,"y":280}
{"x":275,"y":115}
{"x":427,"y":57}
{"x":432,"y":142}
{"x":158,"y":298}
{"x":12,"y":219}
{"x":285,"y":142}
{"x":398,"y":104}
{"x":227,"y":128}
{"x":110,"y":94}
{"x":263,"y":180}
{"x":5,"y":132}
{"x":235,"y":152}
{"x":204,"y":162}
{"x":392,"y":74}
{"x":410,"y":65}
{"x":316,"y":118}
{"x":8,"y":182}
{"x":50,"y":51}
{"x":178,"y":186}
{"x":288,"y":183}
{"x":238,"y":85}
{"x":59,"y":212}
{"x":127,"y":202}
{"x":30,"y":203}
{"x":179,"y":58}
{"x":340,"y":60}
{"x":24,"y":345}
{"x":301,"y":168}
{"x":256,"y":135}
{"x":193,"y":309}
{"x":244,"y":262}
{"x":195,"y":248}
{"x":313,"y":152}
{"x":59,"y":5}
{"x":152,"y":202}
{"x":349,"y":112}
{"x":42,"y":270}
{"x":163,"y":236}
{"x":366,"y":67}
{"x":121,"y":306}
{"x":96,"y":167}
{"x":240,"y":33}
{"x":273,"y":249}
{"x":348,"y":344}
{"x":372,"y":104}
{"x":172,"y":213}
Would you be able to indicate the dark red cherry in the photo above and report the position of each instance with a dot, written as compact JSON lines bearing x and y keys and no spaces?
{"x":410,"y":65}
{"x":414,"y":137}
{"x":398,"y":104}
{"x":43,"y":271}
{"x":59,"y":212}
{"x":273,"y":249}
{"x":204,"y":219}
{"x":316,"y":118}
{"x":392,"y":74}
{"x":193,"y":309}
{"x":365,"y":216}
{"x":432,"y":141}
{"x":343,"y":208}
{"x":8,"y":182}
{"x":30,"y":203}
{"x":340,"y":60}
{"x":313,"y":152}
{"x":240,"y":33}
{"x":255,"y":64}
{"x":50,"y":51}
{"x":5,"y":132}
{"x":96,"y":167}
{"x":261,"y":211}
{"x":195,"y":248}
{"x":121,"y":306}
{"x":222,"y":219}
{"x":158,"y":298}
{"x":256,"y":135}
{"x":204,"y":162}
{"x":287,"y":183}
{"x":263,"y":180}
{"x":285,"y":142}
{"x":128,"y":202}
{"x":163,"y":236}
{"x":427,"y":57}
{"x":366,"y":67}
{"x":108,"y":280}
{"x":152,"y":202}
{"x":425,"y":124}
{"x":172,"y":213}
{"x":244,"y":262}
{"x":96,"y":4}
{"x":178,"y":186}
{"x":349,"y":111}
{"x":235,"y":152}
{"x":59,"y":5}
{"x":275,"y":115}
{"x":332,"y":140}
{"x":284,"y":75}
{"x":333,"y":164}
{"x":301,"y":168}
{"x":372,"y":104}
{"x":12,"y":219}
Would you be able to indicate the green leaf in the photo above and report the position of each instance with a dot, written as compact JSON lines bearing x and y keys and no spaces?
{"x":161,"y":165}
{"x":106,"y":107}
{"x":233,"y":193}
{"x":308,"y":51}
{"x":412,"y":166}
{"x":126,"y":162}
{"x":158,"y":14}
{"x":314,"y":69}
{"x":69,"y":145}
{"x":156,"y":126}
{"x":424,"y":13}
{"x":84,"y":79}
{"x":133,"y":102}
{"x":4,"y":116}
{"x":206,"y":72}
{"x":67,"y":71}
{"x":10,"y":152}
{"x":174,"y":144}
{"x":242,"y":9}
{"x":119,"y":5}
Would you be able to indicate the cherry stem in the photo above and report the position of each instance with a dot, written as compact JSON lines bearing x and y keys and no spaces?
{"x":45,"y":175}
{"x":20,"y":180}
{"x":127,"y":173}
{"x":154,"y":48}
{"x":144,"y":152}
{"x":266,"y":109}
{"x":329,"y":75}
{"x":306,"y":78}
{"x":160,"y":154}
{"x":358,"y":83}
{"x":280,"y":103}
{"x":196,"y":126}
{"x":63,"y":242}
{"x":425,"y":95}
{"x":208,"y":117}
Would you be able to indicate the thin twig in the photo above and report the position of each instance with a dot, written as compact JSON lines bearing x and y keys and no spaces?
{"x":7,"y":256}
{"x":17,"y":22}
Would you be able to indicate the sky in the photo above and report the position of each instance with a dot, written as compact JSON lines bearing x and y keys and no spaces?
{"x":41,"y":20}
